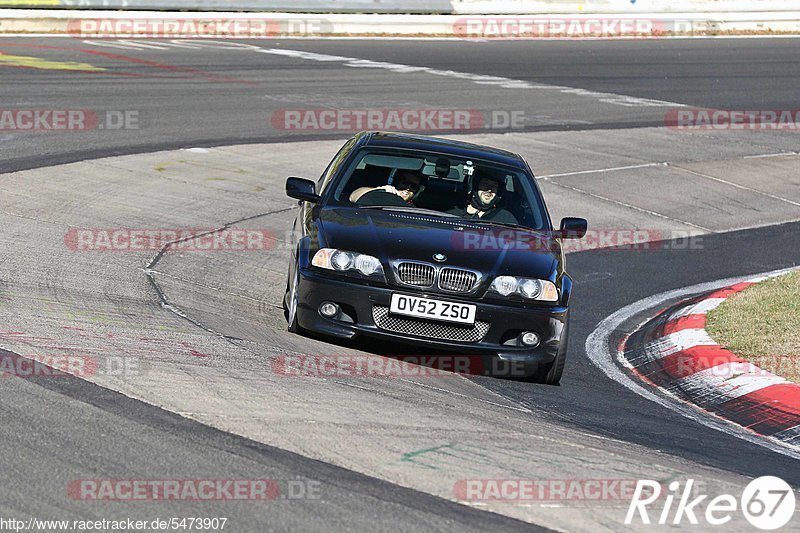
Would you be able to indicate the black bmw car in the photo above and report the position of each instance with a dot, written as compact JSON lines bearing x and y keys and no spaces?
{"x":432,"y":242}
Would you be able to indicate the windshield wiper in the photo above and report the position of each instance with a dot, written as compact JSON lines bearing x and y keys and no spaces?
{"x":493,"y":223}
{"x":542,"y":232}
{"x":410,"y":209}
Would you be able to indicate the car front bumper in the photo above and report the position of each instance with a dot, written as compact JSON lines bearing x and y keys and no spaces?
{"x":365,"y":305}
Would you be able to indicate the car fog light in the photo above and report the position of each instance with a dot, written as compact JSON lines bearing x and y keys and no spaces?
{"x":529,"y":339}
{"x":328,"y":309}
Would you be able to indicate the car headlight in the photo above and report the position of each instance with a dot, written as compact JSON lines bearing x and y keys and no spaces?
{"x":342,"y":261}
{"x":530,"y":289}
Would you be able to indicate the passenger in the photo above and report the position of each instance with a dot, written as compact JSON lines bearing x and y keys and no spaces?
{"x":483,"y":202}
{"x":407,"y":184}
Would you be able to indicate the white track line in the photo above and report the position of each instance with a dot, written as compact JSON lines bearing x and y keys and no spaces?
{"x":779,"y":154}
{"x":480,"y":79}
{"x":600,"y":354}
{"x":600,"y":170}
{"x":630,"y":206}
{"x":736,"y":185}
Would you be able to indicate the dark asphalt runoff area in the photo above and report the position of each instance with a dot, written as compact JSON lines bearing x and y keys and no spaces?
{"x":212,"y":96}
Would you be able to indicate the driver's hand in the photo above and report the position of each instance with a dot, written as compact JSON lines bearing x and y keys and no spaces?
{"x":389,"y":188}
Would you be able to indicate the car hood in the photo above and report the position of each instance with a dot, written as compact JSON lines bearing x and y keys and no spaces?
{"x":390,"y":235}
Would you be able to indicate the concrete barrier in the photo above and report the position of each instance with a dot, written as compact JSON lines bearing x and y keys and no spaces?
{"x":148,"y":24}
{"x":453,"y":7}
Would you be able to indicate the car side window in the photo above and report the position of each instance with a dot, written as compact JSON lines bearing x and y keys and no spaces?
{"x":334,"y":165}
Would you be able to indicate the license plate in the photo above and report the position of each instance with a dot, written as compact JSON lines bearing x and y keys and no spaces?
{"x":403,"y":304}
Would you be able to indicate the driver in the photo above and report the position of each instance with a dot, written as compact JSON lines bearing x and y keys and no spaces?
{"x":483,"y":202}
{"x":407,"y":184}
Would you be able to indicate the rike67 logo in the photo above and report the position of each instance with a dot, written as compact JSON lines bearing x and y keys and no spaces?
{"x":768,"y":503}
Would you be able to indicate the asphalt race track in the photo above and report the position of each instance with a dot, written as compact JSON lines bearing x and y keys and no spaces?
{"x":204,"y":329}
{"x":226,"y":86}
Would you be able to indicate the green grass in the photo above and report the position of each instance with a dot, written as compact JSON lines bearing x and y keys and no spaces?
{"x":762,"y":324}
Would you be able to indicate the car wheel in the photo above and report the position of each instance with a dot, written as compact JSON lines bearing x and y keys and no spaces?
{"x":290,"y":303}
{"x":551,"y":374}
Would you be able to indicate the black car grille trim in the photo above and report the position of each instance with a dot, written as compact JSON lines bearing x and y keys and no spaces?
{"x":418,"y":274}
{"x":424,"y":328}
{"x":460,"y":222}
{"x":457,"y":280}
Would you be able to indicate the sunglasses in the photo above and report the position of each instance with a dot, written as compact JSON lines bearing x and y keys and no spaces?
{"x":406,"y":185}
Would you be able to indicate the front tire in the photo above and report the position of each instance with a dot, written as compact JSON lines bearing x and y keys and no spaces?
{"x":290,"y":302}
{"x":551,"y":374}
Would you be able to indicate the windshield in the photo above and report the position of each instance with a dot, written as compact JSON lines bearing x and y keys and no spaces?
{"x":441,"y":185}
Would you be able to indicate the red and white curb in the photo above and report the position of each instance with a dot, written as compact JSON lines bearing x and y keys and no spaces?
{"x":674,"y":352}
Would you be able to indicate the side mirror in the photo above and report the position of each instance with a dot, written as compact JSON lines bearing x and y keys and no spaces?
{"x":301,"y":189}
{"x":573,"y":228}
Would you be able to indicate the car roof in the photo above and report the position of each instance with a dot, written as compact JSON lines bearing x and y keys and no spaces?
{"x":445,"y":146}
